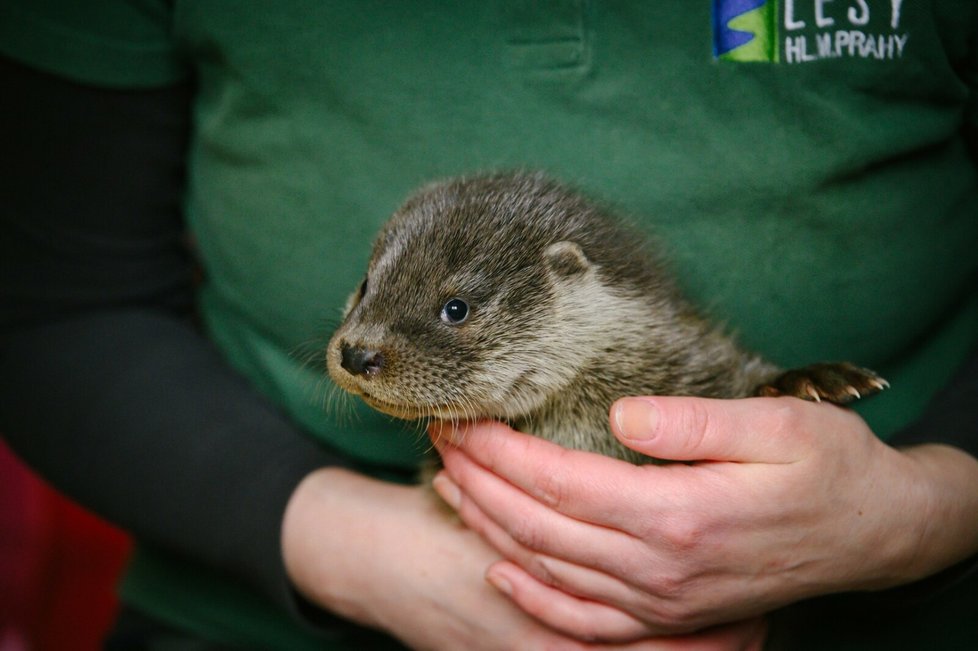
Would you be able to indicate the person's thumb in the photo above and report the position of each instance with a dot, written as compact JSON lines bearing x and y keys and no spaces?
{"x":699,"y":429}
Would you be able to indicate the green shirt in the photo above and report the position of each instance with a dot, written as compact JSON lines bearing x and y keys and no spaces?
{"x":815,"y":187}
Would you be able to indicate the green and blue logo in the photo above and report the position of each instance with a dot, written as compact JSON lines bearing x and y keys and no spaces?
{"x":745,"y":30}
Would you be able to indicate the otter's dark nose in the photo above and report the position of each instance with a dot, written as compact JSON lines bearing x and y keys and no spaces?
{"x":361,"y":361}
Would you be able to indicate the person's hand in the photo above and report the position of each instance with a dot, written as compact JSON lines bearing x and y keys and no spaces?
{"x":389,"y":557}
{"x":783,"y":500}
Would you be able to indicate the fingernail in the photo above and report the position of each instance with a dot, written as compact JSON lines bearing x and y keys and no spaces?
{"x":441,"y":433}
{"x":499,"y":583}
{"x":444,"y":432}
{"x":636,"y":418}
{"x":447,"y":490}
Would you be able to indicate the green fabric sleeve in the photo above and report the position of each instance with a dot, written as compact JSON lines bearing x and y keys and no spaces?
{"x":115,"y":44}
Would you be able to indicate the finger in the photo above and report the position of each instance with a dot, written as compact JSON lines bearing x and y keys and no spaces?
{"x":748,"y":635}
{"x":759,"y":430}
{"x":565,"y":577}
{"x":581,"y":485}
{"x":579,"y":618}
{"x":525,"y":530}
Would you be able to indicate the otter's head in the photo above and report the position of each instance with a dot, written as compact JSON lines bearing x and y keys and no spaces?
{"x":483,"y":298}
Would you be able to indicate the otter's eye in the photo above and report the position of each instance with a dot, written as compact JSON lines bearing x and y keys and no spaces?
{"x":455,"y":311}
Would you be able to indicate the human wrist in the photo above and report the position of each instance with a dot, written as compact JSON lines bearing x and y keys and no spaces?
{"x":947,"y":481}
{"x":315,"y":559}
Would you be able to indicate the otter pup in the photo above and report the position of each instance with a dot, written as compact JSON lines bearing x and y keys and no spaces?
{"x":511,"y":297}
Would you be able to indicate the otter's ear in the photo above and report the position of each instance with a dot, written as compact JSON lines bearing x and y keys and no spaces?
{"x":566,"y":259}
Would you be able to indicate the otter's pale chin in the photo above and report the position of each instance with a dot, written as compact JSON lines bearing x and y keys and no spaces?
{"x":414,"y":412}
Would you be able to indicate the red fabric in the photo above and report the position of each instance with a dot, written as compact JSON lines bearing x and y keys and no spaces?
{"x":59,"y":566}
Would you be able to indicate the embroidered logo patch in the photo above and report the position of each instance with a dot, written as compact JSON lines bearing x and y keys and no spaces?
{"x":802,"y":31}
{"x":745,"y":30}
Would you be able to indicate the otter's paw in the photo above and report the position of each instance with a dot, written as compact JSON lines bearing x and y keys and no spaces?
{"x":839,"y":382}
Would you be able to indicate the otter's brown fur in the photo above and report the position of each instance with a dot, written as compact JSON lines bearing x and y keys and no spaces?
{"x":565,"y":309}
